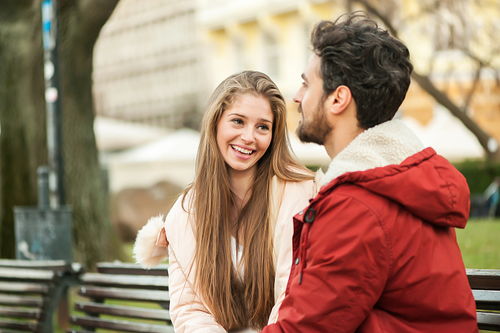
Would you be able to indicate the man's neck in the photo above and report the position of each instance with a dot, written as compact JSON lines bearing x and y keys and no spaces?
{"x":340,"y":137}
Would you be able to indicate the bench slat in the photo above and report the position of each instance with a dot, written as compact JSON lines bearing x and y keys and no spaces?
{"x":21,"y":300}
{"x":488,"y":320}
{"x":120,"y":325}
{"x":20,"y":312}
{"x":484,"y":278}
{"x":21,"y":287}
{"x":130,"y":268}
{"x":125,"y":294}
{"x":487,"y":299}
{"x":19,"y":325}
{"x":124,"y":311}
{"x":153,"y":282}
{"x":27,"y":274}
{"x":54,"y":265}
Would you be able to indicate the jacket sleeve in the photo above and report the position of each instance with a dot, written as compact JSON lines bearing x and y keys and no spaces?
{"x":150,"y":246}
{"x":187,"y":311}
{"x":347,"y":264}
{"x":290,"y":200}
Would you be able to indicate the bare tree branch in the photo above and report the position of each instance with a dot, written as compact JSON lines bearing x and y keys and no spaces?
{"x":475,"y":83}
{"x":439,"y":96}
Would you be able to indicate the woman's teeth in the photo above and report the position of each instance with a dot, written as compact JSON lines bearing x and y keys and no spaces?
{"x":242,"y":150}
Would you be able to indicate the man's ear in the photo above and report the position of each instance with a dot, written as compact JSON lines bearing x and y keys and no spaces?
{"x":339,"y":100}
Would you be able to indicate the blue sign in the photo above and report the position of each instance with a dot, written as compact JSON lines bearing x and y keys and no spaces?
{"x":48,"y":25}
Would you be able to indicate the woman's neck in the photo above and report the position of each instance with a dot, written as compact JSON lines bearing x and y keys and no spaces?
{"x":241,"y":184}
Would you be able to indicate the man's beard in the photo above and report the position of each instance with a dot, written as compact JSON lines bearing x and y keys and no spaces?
{"x":315,"y":129}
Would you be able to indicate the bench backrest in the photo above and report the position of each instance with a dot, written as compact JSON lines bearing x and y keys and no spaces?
{"x":485,"y":284}
{"x":124,"y":298}
{"x":30,"y":291}
{"x":140,"y":289}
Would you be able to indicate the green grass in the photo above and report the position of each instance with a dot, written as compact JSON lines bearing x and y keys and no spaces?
{"x":480,"y":243}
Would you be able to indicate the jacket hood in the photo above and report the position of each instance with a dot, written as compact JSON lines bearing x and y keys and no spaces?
{"x":389,"y":160}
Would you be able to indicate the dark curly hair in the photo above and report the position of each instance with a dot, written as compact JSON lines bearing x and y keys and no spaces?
{"x":375,"y":66}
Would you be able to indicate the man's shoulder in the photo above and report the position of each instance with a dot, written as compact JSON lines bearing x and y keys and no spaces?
{"x":357,"y":194}
{"x":349,"y":200}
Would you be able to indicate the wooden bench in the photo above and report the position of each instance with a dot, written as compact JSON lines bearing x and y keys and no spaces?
{"x":30,"y":291}
{"x":485,"y":284}
{"x":130,"y":283}
{"x":124,"y":298}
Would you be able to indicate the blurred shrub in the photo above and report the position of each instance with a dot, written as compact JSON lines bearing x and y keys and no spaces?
{"x":479,"y":173}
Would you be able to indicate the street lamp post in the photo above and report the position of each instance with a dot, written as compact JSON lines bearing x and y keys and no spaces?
{"x":52,"y":103}
{"x":45,"y":232}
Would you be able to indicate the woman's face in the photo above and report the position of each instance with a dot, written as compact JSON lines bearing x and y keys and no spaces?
{"x":244,"y":132}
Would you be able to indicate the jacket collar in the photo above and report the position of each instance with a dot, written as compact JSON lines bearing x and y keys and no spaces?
{"x":388,"y":143}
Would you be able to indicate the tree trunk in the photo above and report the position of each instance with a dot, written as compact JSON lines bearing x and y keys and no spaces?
{"x":84,"y":182}
{"x":22,"y":119}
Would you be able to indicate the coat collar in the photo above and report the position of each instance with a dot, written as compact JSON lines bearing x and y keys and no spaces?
{"x":388,"y":143}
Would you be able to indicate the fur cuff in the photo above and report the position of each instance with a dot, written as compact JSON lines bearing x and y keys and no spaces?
{"x":147,"y":252}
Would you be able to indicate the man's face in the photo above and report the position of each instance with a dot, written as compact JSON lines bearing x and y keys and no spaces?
{"x":313,"y":126}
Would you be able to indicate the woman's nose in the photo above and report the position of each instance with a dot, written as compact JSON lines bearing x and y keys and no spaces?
{"x":248,"y":135}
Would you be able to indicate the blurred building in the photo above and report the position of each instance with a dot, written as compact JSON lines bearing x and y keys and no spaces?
{"x":157,"y":61}
{"x":273,"y":36}
{"x":146,"y":64}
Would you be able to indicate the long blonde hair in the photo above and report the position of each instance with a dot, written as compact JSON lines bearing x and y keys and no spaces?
{"x":234,"y":303}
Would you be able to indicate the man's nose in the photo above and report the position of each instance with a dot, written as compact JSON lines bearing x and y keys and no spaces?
{"x":297,"y":98}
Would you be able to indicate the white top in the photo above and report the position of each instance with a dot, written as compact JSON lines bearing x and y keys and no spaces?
{"x":237,"y":254}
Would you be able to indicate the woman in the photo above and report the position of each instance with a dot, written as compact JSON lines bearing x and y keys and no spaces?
{"x":229,"y":234}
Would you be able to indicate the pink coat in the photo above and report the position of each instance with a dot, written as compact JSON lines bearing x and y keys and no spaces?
{"x":188,"y":312}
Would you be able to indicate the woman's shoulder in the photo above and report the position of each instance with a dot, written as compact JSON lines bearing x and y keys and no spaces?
{"x":307,"y":187}
{"x":285,"y":193}
{"x":178,"y":213}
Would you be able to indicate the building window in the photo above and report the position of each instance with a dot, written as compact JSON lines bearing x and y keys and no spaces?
{"x":271,"y":54}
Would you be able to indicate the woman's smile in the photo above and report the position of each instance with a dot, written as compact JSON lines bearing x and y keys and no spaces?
{"x":244,"y":132}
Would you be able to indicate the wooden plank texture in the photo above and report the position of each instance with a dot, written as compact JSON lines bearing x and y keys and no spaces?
{"x":27,"y":274}
{"x":20,"y":300}
{"x":25,"y":288}
{"x":124,"y":294}
{"x":124,"y":311}
{"x":141,"y":281}
{"x":20,"y":312}
{"x":130,"y":268}
{"x":484,"y":278}
{"x":120,"y":325}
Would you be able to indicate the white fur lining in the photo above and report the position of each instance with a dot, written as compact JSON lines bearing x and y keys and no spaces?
{"x":145,"y":251}
{"x":388,"y":143}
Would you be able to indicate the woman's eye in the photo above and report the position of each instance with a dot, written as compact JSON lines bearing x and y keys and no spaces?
{"x":237,"y":121}
{"x":263,"y":127}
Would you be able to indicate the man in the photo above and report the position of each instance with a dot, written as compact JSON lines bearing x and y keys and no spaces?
{"x":375,"y":251}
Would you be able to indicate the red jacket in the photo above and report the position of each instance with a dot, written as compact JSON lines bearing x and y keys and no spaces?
{"x":375,"y":251}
